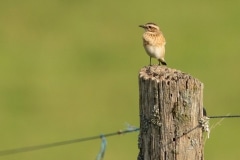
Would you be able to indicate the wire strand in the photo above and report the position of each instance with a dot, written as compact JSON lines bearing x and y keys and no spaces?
{"x":55,"y":144}
{"x":49,"y":145}
{"x":230,"y":116}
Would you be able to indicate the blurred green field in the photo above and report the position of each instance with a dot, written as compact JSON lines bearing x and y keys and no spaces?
{"x":69,"y":69}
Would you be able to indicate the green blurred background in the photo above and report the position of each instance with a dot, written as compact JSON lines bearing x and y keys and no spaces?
{"x":69,"y":69}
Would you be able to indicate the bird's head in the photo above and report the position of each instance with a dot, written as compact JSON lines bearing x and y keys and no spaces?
{"x":150,"y":27}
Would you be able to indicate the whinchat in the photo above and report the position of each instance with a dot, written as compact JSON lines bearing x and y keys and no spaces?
{"x":154,"y":42}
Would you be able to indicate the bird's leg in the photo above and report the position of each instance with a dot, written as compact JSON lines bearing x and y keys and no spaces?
{"x":150,"y":60}
{"x":149,"y":67}
{"x":159,"y":62}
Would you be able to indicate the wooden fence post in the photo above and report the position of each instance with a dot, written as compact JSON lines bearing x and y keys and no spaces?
{"x":171,"y":105}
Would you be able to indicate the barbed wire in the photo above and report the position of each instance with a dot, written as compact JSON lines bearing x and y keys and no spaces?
{"x":55,"y":144}
{"x":129,"y":129}
{"x":227,"y":116}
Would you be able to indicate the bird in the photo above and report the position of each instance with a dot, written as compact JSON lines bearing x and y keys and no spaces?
{"x":154,"y":42}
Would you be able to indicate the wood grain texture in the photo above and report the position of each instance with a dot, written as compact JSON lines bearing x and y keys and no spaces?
{"x":170,"y":104}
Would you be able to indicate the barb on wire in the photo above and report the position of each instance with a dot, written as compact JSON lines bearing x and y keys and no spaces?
{"x":204,"y":122}
{"x":129,"y":127}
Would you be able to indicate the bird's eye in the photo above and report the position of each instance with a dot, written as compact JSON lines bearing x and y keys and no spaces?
{"x":150,"y":27}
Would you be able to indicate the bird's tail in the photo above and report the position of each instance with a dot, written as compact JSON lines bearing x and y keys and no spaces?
{"x":162,"y":61}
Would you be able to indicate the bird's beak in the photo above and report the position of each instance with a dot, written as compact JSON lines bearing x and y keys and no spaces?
{"x":142,"y":26}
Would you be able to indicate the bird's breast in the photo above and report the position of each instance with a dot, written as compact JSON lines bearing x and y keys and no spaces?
{"x":155,"y":51}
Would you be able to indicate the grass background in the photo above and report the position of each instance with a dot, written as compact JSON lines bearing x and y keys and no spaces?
{"x":68,"y":69}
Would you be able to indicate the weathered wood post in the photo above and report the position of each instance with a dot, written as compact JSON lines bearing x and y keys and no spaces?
{"x":171,"y":104}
